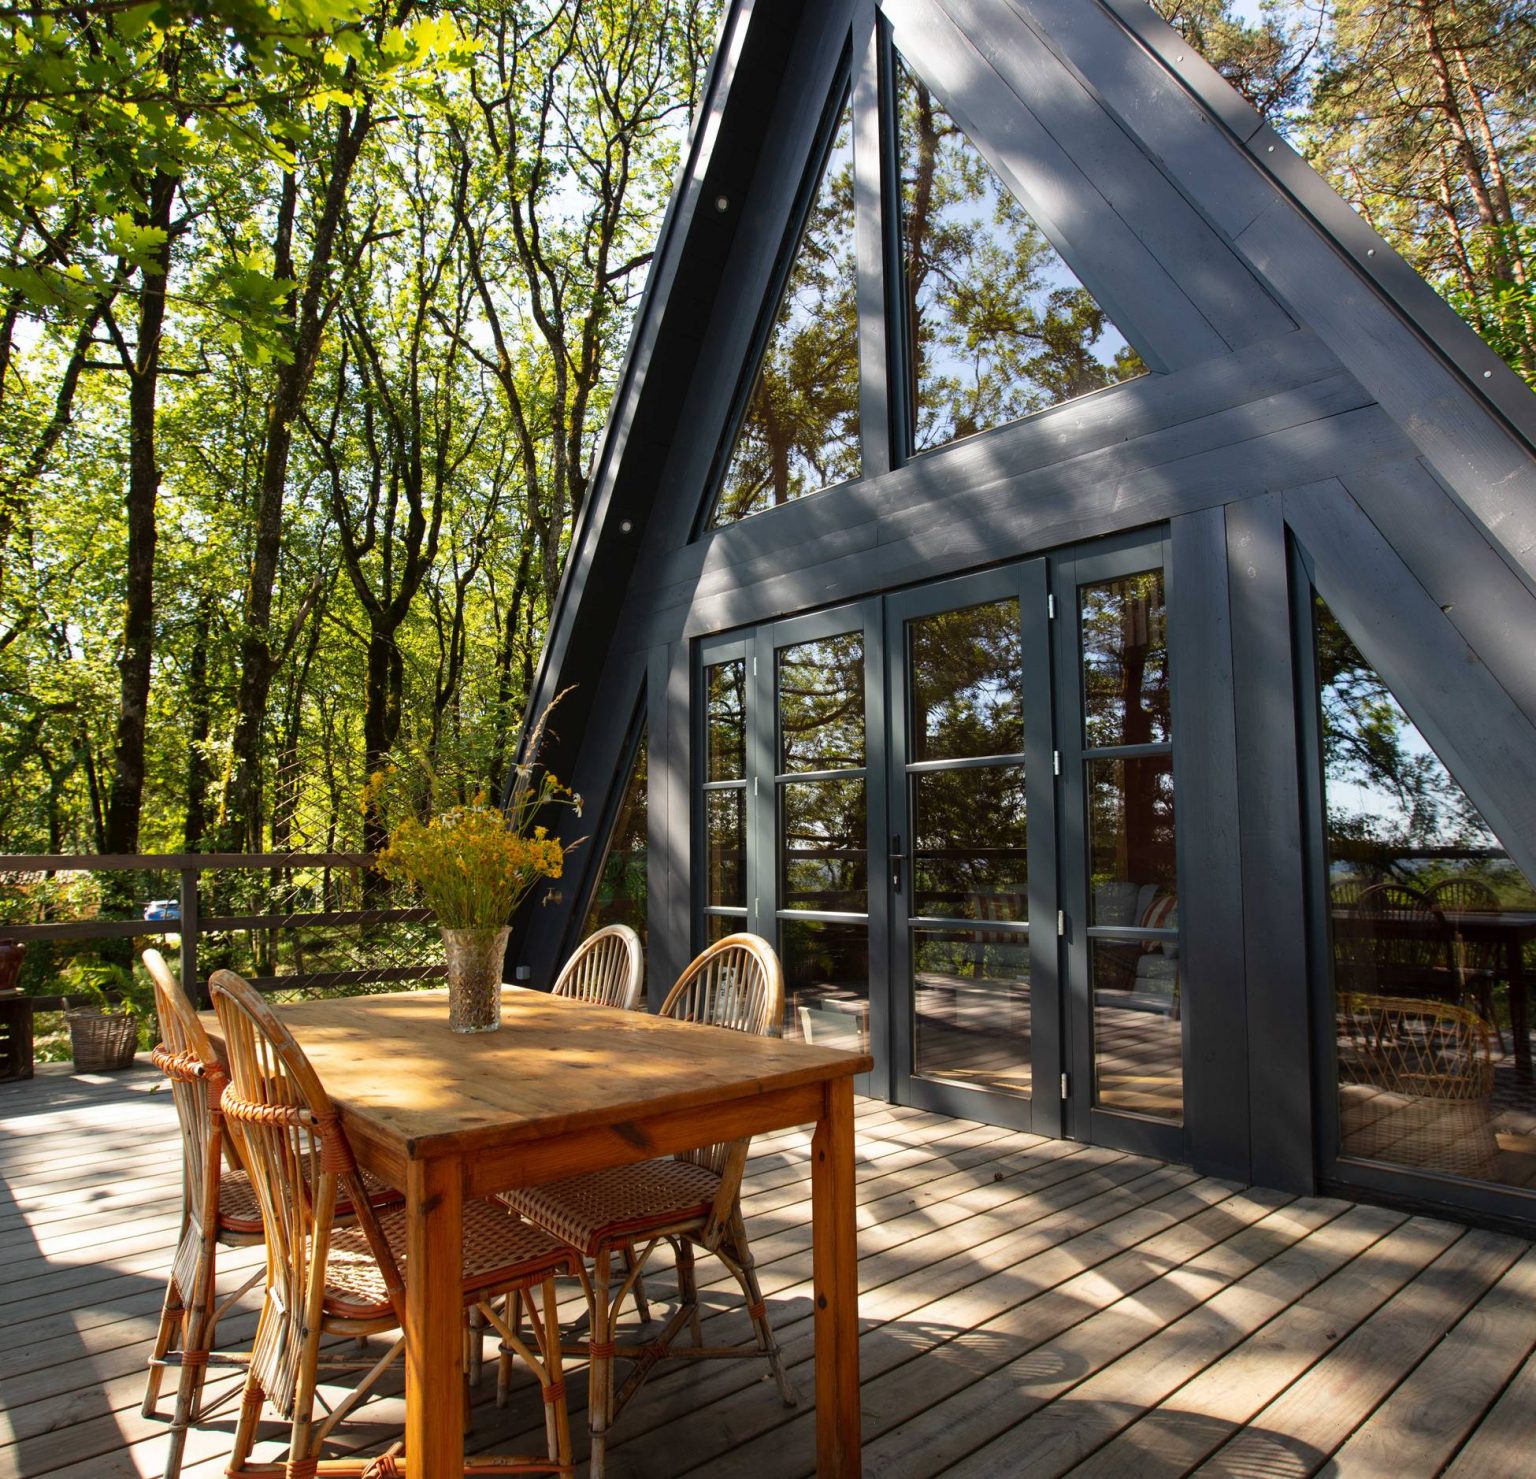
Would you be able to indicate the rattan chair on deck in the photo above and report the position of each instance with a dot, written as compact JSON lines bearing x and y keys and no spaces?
{"x":693,"y":1198}
{"x":218,"y":1206}
{"x":323,"y":1278}
{"x":1476,"y":956}
{"x":608,"y":969}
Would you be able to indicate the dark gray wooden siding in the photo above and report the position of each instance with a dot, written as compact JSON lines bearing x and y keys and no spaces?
{"x":1311,"y":401}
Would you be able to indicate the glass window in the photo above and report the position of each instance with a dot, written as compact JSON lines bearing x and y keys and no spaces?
{"x":801,"y":431}
{"x":967,"y":680}
{"x":620,"y":896}
{"x":1133,"y":900}
{"x":826,"y":982}
{"x":726,"y":884}
{"x":725,"y":701}
{"x":1432,"y":924}
{"x":962,"y":870}
{"x":825,"y":861}
{"x":1125,"y":661}
{"x":821,"y":704}
{"x":971,"y":1003}
{"x":997,"y":324}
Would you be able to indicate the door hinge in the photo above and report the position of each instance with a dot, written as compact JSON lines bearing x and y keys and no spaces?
{"x":1066,"y":1084}
{"x":754,"y":785}
{"x":754,"y":667}
{"x":1061,"y":921}
{"x":1055,"y":762}
{"x":1050,"y":608}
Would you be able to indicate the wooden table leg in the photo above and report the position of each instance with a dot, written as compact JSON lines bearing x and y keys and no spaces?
{"x":434,"y":1316}
{"x":836,"y":1278}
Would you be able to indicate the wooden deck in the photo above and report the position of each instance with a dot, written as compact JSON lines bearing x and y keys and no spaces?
{"x":1029,"y":1307}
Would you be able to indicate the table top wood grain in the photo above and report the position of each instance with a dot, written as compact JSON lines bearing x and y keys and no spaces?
{"x":398,"y":1074}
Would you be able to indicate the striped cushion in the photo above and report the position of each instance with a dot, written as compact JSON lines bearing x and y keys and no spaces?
{"x":605,"y":1208}
{"x":500,"y":1252}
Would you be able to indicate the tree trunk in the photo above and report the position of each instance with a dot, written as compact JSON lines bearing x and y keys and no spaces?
{"x":243,"y":802}
{"x":199,"y":728}
{"x":126,"y":797}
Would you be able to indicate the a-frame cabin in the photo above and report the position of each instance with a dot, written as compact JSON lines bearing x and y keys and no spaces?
{"x":1059,"y":575}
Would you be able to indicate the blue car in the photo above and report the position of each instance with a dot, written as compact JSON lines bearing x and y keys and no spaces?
{"x":163,"y":909}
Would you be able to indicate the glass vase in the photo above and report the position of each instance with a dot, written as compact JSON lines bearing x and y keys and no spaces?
{"x":474,"y":959}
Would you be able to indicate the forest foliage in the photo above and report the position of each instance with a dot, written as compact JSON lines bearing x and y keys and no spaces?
{"x":310,"y":314}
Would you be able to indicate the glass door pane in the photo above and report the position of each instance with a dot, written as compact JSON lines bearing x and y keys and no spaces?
{"x":1125,"y":1017}
{"x":965,"y":887}
{"x":822,"y":808}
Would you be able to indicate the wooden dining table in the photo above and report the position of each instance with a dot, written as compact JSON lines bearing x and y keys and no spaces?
{"x":564,"y":1087}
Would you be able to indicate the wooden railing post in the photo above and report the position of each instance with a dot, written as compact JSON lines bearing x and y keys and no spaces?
{"x":189,"y":931}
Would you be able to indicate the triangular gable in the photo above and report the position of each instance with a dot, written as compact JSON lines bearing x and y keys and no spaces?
{"x":1289,"y":352}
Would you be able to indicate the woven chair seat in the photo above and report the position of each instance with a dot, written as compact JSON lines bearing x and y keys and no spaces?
{"x":602,"y":1208}
{"x":500,"y":1253}
{"x":240,"y":1213}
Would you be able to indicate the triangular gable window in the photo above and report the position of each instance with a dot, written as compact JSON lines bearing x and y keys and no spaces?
{"x":1428,"y":914}
{"x":620,"y":894}
{"x":801,"y":429}
{"x":998,"y":325}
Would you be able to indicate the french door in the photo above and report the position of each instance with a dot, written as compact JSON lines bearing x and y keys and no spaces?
{"x":951,"y":810}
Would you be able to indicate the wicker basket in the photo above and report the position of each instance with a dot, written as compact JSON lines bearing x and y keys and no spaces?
{"x":102,"y":1040}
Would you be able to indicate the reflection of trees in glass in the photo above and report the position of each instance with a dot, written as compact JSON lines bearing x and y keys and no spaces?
{"x":998,"y":324}
{"x":620,"y":897}
{"x":821,"y":704}
{"x":726,"y":815}
{"x":967,"y":677}
{"x":1394,"y":810}
{"x":801,"y":431}
{"x":725,"y":700}
{"x":1130,"y":819}
{"x":970,"y":841}
{"x":1124,"y":634}
{"x":825,"y":857}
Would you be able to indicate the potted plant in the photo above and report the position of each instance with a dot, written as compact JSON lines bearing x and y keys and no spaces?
{"x":104,"y":1034}
{"x":475,"y":864}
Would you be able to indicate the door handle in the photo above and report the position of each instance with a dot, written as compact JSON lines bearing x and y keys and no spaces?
{"x":898,"y":857}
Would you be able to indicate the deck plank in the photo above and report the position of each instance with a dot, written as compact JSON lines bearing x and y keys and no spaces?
{"x":1026,"y":1306}
{"x":1315,"y":1415}
{"x":1191,"y":1423}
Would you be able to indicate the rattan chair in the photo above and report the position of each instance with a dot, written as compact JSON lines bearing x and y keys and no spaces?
{"x":608,"y":969}
{"x":1475,"y":956}
{"x":1416,"y":1084}
{"x":691,"y":1199}
{"x":1396,"y":943}
{"x":324,"y":1278}
{"x":218,"y":1206}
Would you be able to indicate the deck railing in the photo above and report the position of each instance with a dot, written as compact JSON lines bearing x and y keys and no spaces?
{"x":249,"y":910}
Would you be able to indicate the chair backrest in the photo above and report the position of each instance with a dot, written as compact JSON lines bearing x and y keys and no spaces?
{"x":737,"y":982}
{"x":1430,"y":1049}
{"x":296,"y":1152}
{"x":608,"y":969}
{"x":1470,"y":894}
{"x":1410,"y":933}
{"x":197,"y":1076}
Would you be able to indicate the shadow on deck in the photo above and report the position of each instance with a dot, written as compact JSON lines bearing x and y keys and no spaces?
{"x":1028,"y":1307}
